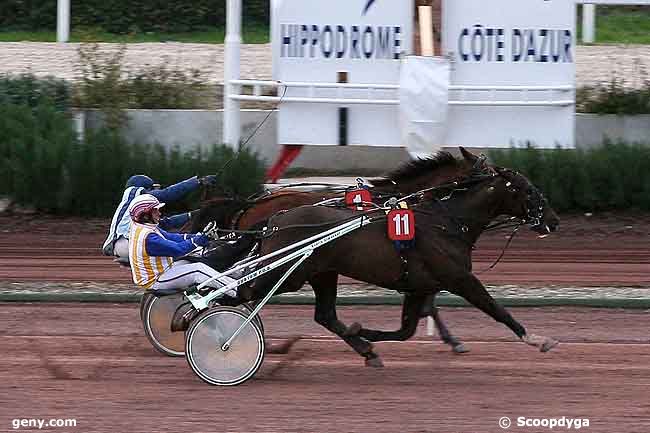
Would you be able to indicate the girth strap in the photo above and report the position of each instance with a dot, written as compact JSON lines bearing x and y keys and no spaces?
{"x":403,"y":280}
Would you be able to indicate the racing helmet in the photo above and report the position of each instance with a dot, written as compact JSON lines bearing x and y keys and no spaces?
{"x":143,"y":205}
{"x":140,"y":181}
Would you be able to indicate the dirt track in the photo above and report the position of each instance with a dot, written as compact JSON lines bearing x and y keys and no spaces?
{"x":93,"y":363}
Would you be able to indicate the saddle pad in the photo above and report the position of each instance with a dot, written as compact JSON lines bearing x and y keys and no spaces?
{"x":358,"y":198}
{"x":401,"y":225}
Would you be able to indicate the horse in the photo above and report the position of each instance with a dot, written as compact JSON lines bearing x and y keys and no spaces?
{"x":446,"y":231}
{"x":413,"y":176}
{"x":421,"y":174}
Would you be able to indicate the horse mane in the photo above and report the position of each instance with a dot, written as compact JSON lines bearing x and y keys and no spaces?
{"x":416,"y":168}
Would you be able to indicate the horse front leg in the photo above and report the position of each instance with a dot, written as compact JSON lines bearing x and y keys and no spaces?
{"x":472,"y":290}
{"x":430,"y":309}
{"x":325,"y":286}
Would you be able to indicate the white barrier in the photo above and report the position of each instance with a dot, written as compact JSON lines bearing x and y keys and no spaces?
{"x":554,"y":94}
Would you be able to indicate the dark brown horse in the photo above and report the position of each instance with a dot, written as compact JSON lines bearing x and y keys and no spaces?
{"x":446,"y":230}
{"x":418,"y":175}
{"x":411,"y":177}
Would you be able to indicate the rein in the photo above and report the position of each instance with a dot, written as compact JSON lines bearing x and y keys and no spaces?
{"x":512,"y":222}
{"x":328,"y":187}
{"x":266,"y":232}
{"x":417,"y":197}
{"x":503,"y":250}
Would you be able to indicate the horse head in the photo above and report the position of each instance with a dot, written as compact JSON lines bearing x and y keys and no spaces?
{"x":493,"y":191}
{"x":522,"y":199}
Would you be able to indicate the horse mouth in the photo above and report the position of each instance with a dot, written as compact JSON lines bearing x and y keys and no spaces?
{"x":545,"y":229}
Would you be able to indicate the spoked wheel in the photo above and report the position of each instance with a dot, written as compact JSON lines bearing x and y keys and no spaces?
{"x":157,"y":318}
{"x":249,"y":307}
{"x":143,"y":302}
{"x":204,"y":346}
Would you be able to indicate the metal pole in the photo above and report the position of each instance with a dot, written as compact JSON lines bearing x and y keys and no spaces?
{"x":231,"y":123}
{"x":588,"y":23}
{"x":63,"y":21}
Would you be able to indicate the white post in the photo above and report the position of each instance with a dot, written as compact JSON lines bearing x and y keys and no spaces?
{"x":588,"y":23}
{"x":79,"y":122}
{"x":63,"y":21}
{"x":231,"y":125}
{"x":425,"y":14}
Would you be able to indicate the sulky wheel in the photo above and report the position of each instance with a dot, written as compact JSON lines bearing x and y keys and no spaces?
{"x":248,"y":308}
{"x":157,"y":318}
{"x":143,"y":302}
{"x":204,"y":346}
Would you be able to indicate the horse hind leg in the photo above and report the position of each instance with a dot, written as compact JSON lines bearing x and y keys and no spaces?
{"x":430,"y":309}
{"x":457,"y":346}
{"x":324,"y":286}
{"x":415,"y":307}
{"x":410,"y":318}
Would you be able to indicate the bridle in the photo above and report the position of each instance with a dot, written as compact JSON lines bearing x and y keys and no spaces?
{"x":535,"y":203}
{"x":479,"y":173}
{"x":534,"y":211}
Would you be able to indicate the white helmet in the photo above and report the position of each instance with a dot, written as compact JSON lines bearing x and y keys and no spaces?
{"x":142,"y":205}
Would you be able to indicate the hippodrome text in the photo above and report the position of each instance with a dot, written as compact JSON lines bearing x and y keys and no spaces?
{"x":339,"y":41}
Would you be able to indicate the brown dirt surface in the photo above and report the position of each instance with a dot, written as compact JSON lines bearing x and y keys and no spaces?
{"x":599,"y":250}
{"x":91,"y":362}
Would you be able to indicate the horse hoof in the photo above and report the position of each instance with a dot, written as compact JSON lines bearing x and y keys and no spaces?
{"x":459,"y":348}
{"x":548,"y":345}
{"x":375,"y":362}
{"x":282,"y":348}
{"x":353,"y":330}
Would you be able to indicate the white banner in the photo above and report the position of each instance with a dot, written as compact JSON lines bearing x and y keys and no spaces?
{"x":499,"y":47}
{"x":320,"y":41}
{"x":423,"y":95}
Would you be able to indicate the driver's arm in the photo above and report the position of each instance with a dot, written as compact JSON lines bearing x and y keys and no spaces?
{"x":177,"y":191}
{"x":159,"y":246}
{"x":177,"y":237}
{"x":175,"y":221}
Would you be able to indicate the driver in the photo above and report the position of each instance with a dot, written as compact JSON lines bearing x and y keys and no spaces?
{"x":116,"y":243}
{"x":152,"y":252}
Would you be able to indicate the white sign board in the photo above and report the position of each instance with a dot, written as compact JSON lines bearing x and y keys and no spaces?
{"x":315,"y":41}
{"x":510,"y":43}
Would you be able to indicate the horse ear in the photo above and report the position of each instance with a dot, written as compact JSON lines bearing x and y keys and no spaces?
{"x":468,"y":155}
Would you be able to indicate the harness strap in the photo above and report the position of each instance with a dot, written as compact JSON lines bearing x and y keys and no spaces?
{"x":503,"y":251}
{"x":403,"y":280}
